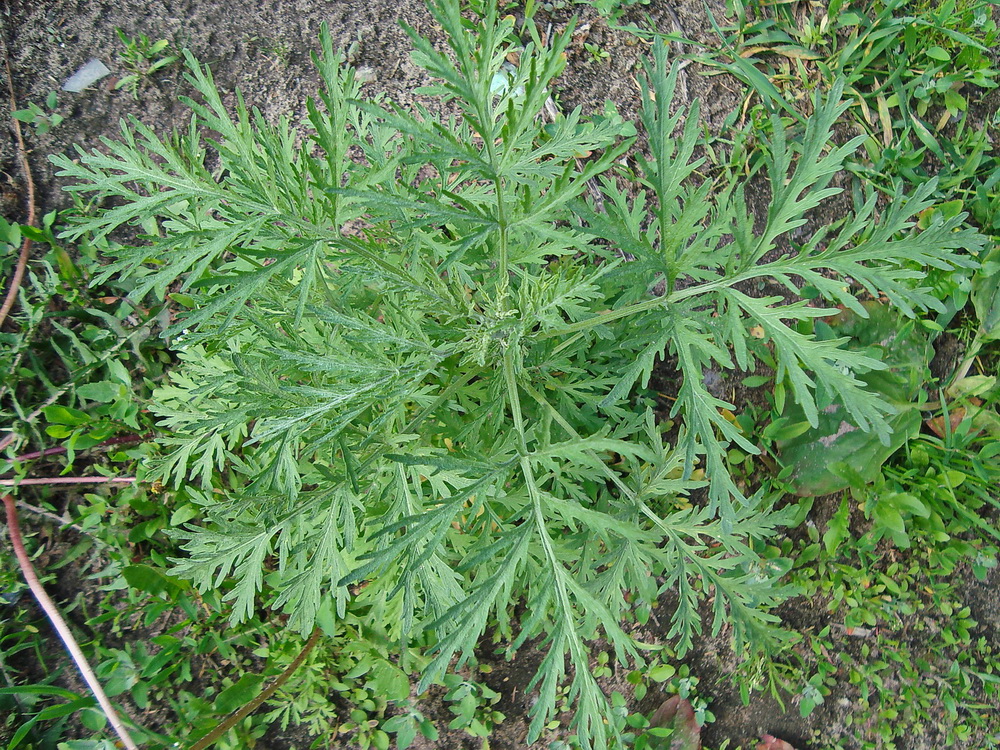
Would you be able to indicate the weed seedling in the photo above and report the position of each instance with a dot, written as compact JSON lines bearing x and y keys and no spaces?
{"x":141,"y":59}
{"x":41,"y":119}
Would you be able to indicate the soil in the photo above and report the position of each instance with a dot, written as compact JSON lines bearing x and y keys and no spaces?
{"x":264,"y":48}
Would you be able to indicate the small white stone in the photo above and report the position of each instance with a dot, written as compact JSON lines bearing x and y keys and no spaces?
{"x":364,"y":74}
{"x":90,"y":72}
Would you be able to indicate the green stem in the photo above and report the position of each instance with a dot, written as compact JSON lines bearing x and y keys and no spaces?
{"x":502,"y":222}
{"x":534,"y":493}
{"x":561,"y":420}
{"x":607,"y":317}
{"x":665,"y":301}
{"x":515,"y":402}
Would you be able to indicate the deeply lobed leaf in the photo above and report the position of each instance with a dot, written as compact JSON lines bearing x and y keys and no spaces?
{"x":408,"y":378}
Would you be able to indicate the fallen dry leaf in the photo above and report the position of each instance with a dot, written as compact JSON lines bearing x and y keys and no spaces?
{"x":678,"y":715}
{"x":955,"y":417}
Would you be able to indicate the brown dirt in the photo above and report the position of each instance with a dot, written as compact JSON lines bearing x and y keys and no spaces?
{"x":264,"y":49}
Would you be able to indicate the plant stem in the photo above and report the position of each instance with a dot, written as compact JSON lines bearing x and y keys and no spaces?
{"x":59,"y":449}
{"x":237,"y":716}
{"x":22,"y":259}
{"x":52,"y":612}
{"x":52,"y":516}
{"x":515,"y":402}
{"x":43,"y":481}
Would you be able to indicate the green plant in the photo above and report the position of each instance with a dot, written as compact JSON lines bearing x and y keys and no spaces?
{"x":77,"y":363}
{"x":65,"y":369}
{"x":355,"y":663}
{"x":833,"y":454}
{"x":25,"y":702}
{"x":941,"y":490}
{"x":984,"y":293}
{"x":597,"y":52}
{"x":141,"y":59}
{"x":27,"y":714}
{"x":899,"y":644}
{"x":41,"y":119}
{"x":891,"y":579}
{"x":896,"y":54}
{"x":279,"y":49}
{"x":162,"y":675}
{"x":407,"y":724}
{"x":673,"y":726}
{"x":610,"y":9}
{"x":912,"y":69}
{"x":410,"y":353}
{"x":472,"y":705}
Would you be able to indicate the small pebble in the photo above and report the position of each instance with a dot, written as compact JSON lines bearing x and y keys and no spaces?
{"x":90,"y":72}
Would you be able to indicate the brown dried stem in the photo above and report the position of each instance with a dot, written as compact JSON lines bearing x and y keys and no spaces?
{"x":22,"y":152}
{"x":60,"y":449}
{"x":53,"y":517}
{"x":65,"y":480}
{"x":52,"y":612}
{"x":237,"y":716}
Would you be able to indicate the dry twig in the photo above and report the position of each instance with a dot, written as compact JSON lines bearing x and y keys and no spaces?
{"x":52,"y":612}
{"x":60,"y":449}
{"x":22,"y":152}
{"x":237,"y":716}
{"x":45,"y":481}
